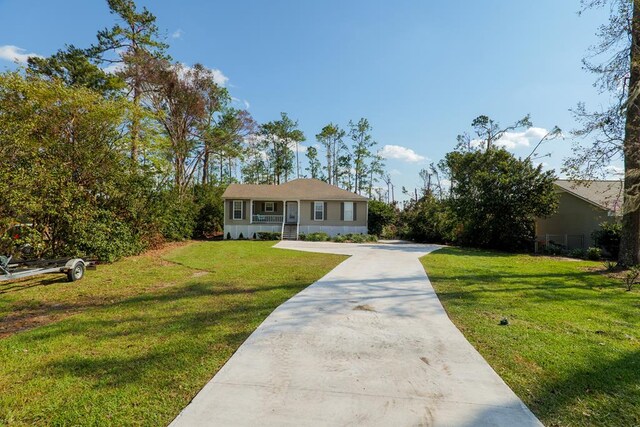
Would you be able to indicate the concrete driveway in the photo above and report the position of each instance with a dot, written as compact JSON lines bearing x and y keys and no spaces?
{"x":367,"y":345}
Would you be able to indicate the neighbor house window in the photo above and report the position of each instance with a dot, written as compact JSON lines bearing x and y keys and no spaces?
{"x":237,"y":209}
{"x":318,"y":211}
{"x":348,"y":211}
{"x":269,"y":207}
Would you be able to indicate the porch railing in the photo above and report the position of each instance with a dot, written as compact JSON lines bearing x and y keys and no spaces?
{"x":267,"y":219}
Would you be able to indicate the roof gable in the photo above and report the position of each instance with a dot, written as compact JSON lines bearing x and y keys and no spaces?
{"x":298,"y":189}
{"x":604,"y":194}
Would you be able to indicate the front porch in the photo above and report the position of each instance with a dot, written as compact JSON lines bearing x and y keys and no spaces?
{"x":283,"y":213}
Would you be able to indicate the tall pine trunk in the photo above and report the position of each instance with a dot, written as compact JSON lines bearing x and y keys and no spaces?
{"x":205,"y":166}
{"x":630,"y":239}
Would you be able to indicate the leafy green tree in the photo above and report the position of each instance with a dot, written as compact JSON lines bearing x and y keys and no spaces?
{"x":63,"y":169}
{"x":131,"y":44}
{"x":73,"y":67}
{"x":376,"y":172}
{"x":281,"y":138}
{"x":345,"y":175}
{"x":360,"y":134}
{"x":224,"y":142}
{"x":495,"y":198}
{"x":331,"y":138}
{"x":314,"y":168}
{"x":183,"y":101}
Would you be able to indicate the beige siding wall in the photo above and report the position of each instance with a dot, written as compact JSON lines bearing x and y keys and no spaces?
{"x":228,"y":214}
{"x":574,"y":217}
{"x":333,"y":214}
{"x":258,"y":208}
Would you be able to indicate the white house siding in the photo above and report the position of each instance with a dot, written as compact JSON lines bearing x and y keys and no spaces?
{"x":248,"y":230}
{"x":334,"y":230}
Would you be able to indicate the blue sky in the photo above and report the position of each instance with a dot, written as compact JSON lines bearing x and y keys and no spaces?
{"x":420,"y":71}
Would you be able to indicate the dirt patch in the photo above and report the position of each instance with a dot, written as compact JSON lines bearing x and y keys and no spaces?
{"x":557,"y":258}
{"x":364,"y":307}
{"x":163,"y":250}
{"x":199,"y":273}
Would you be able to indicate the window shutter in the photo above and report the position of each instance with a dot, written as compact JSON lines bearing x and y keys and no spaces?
{"x":263,"y":208}
{"x":341,"y":211}
{"x":244,"y":209}
{"x":230,"y":209}
{"x":324,"y":217}
{"x":355,"y":211}
{"x":313,"y":206}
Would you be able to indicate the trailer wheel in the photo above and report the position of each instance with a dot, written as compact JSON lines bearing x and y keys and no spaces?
{"x":76,"y":272}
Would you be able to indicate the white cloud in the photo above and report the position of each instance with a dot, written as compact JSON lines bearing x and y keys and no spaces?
{"x":15,"y":54}
{"x":401,"y":153}
{"x":177,"y":34}
{"x":615,"y":171}
{"x":515,"y":140}
{"x":246,"y":104}
{"x":395,"y":172}
{"x":301,"y":148}
{"x":114,"y":68}
{"x":218,"y":77}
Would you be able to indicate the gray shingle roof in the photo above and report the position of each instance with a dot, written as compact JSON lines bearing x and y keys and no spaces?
{"x":297,"y":189}
{"x":604,"y":194}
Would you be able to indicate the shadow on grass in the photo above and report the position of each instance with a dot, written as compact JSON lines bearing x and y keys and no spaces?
{"x":160,"y":332}
{"x":21,"y":285}
{"x":612,"y":384}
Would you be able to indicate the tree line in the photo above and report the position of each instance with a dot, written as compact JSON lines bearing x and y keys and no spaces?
{"x":111,"y":148}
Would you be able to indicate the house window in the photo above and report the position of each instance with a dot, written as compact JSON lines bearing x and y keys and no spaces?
{"x":318,"y":211}
{"x":348,"y":211}
{"x":269,"y":207}
{"x":237,"y":209}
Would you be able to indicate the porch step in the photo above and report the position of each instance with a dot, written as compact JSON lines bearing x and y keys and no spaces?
{"x":289,"y":232}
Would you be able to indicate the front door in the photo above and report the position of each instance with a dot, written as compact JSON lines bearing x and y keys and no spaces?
{"x":292,"y":212}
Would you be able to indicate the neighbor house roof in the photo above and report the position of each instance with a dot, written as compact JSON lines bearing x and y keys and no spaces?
{"x":298,"y":189}
{"x":604,"y":194}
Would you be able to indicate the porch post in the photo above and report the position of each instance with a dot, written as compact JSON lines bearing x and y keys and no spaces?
{"x":298,"y":223}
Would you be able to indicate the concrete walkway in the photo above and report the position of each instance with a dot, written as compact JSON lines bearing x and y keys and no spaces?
{"x":367,"y":345}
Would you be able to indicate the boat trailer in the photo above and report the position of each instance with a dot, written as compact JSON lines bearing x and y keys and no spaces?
{"x":74,"y":268}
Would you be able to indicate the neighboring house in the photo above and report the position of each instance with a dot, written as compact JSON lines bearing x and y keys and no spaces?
{"x":298,"y":206}
{"x":582,"y":208}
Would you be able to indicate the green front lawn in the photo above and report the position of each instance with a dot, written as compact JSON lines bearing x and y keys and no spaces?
{"x":134,"y":341}
{"x":571,"y":350}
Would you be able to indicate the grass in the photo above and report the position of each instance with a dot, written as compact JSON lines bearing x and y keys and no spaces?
{"x":134,"y":341}
{"x":571,"y":350}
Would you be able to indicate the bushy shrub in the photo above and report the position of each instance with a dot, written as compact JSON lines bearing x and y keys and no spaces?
{"x":427,"y":220}
{"x":594,"y":254}
{"x":608,"y":238}
{"x":553,"y":249}
{"x":210,"y":218}
{"x":106,"y":237}
{"x":354,"y":238}
{"x":269,"y":235}
{"x":631,"y":277}
{"x":380,"y":215}
{"x":176,"y":215}
{"x":319,"y":236}
{"x":577,"y":253}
